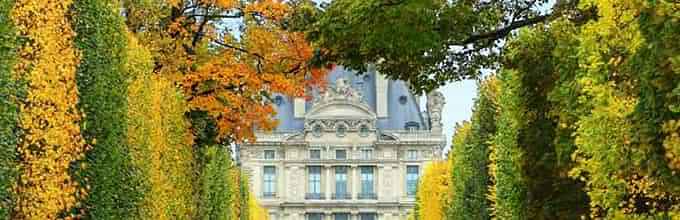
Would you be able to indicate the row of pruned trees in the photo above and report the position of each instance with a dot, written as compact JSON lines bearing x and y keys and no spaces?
{"x":126,"y":109}
{"x":581,"y":121}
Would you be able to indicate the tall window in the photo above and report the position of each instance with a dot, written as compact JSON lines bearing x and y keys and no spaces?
{"x":269,"y":181}
{"x":315,"y":154}
{"x":412,"y":154}
{"x":314,"y":216}
{"x":269,"y":154}
{"x":367,"y":216}
{"x":367,"y":182}
{"x":315,"y":181}
{"x":341,"y":216}
{"x":340,"y":154}
{"x":411,"y":180}
{"x":341,"y":183}
{"x":366,"y":154}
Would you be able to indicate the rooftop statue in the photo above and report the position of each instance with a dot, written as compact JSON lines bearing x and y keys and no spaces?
{"x":435,"y":105}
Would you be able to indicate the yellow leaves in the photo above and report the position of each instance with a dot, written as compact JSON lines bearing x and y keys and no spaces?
{"x":160,"y":147}
{"x":434,"y":190}
{"x":49,"y":116}
{"x":256,"y":212}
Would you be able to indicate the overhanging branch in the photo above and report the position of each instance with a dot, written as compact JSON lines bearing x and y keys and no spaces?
{"x":504,"y":31}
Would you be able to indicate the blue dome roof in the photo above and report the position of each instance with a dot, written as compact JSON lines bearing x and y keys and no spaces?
{"x":402,"y":107}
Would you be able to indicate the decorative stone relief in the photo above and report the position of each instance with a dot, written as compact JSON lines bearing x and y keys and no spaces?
{"x":333,"y":124}
{"x":342,"y":91}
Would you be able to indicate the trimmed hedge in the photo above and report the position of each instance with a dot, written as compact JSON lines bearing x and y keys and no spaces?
{"x":161,"y":148}
{"x":509,"y":191}
{"x":114,"y":182}
{"x":215,"y":197}
{"x":9,"y":110}
{"x":470,"y":158}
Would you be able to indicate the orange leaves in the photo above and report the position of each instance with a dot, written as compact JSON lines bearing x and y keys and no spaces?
{"x":49,"y":116}
{"x":226,"y":3}
{"x":270,"y":9}
{"x":232,"y":86}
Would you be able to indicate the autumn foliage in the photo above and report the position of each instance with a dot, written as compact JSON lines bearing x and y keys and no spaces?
{"x":98,"y":120}
{"x":51,"y":140}
{"x":587,"y":118}
{"x":434,"y":191}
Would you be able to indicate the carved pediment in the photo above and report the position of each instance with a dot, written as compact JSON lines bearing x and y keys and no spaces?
{"x":340,"y":109}
{"x":340,"y":106}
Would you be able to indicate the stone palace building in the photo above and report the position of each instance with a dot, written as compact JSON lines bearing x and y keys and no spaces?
{"x":353,"y":152}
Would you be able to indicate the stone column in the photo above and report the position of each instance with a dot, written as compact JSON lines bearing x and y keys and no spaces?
{"x":356,"y":182}
{"x":377,"y":184}
{"x":328,"y":182}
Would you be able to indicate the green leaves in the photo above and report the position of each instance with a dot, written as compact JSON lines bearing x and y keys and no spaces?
{"x":471,"y":157}
{"x":425,"y":42}
{"x":102,"y":83}
{"x":10,"y":90}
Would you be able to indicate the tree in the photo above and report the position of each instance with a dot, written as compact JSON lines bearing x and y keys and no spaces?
{"x":530,"y":156}
{"x":227,"y":74}
{"x":433,"y":191}
{"x":102,"y":83}
{"x":160,"y":142}
{"x":10,"y":93}
{"x":471,"y":157}
{"x":427,"y":43}
{"x":49,"y":118}
{"x":628,"y":84}
{"x":216,"y":197}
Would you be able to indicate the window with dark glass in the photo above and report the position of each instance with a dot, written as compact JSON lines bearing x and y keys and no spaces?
{"x":315,"y":154}
{"x":367,"y":216}
{"x":411,"y":126}
{"x":412,"y":174}
{"x":402,"y":99}
{"x":340,"y":154}
{"x":269,"y":154}
{"x":314,"y":216}
{"x":316,"y":130}
{"x":367,"y":191}
{"x":314,"y":182}
{"x":341,"y":183}
{"x":341,"y":216}
{"x":341,"y":131}
{"x":278,"y":100}
{"x":363,"y":130}
{"x":269,"y":181}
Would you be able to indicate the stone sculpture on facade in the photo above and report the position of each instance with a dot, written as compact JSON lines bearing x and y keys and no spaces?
{"x":341,"y":91}
{"x":435,"y":105}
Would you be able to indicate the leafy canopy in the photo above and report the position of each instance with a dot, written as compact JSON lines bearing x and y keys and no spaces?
{"x":425,"y":42}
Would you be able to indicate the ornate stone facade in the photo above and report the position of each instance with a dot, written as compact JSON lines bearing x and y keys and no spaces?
{"x":342,"y":164}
